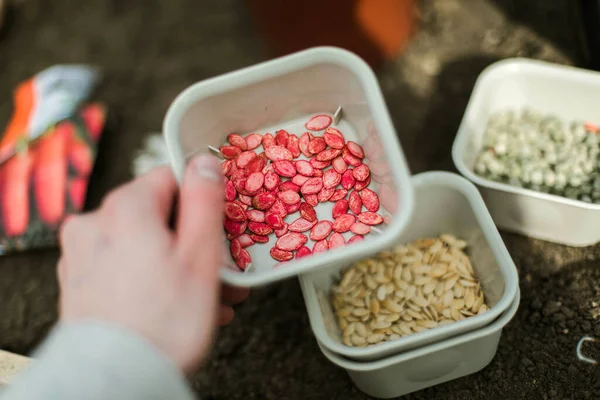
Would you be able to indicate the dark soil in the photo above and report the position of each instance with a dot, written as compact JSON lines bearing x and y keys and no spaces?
{"x":150,"y":50}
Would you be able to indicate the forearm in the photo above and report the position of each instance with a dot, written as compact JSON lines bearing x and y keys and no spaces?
{"x":92,"y":360}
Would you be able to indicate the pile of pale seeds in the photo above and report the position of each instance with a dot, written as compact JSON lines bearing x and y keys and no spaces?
{"x":424,"y":284}
{"x":542,"y":153}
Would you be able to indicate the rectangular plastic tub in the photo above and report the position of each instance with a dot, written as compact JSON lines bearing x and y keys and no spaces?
{"x":283,"y":94}
{"x":569,"y":93}
{"x":427,"y":366}
{"x":445,"y":203}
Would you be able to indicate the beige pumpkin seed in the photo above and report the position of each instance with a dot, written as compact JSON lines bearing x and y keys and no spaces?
{"x":419,"y":329}
{"x":439,"y":289}
{"x":360,"y":329}
{"x":375,"y":338}
{"x":400,"y":284}
{"x":467,"y":283}
{"x":349,"y":329}
{"x":347,"y":341}
{"x":456,"y":315}
{"x":448,"y":298}
{"x":406,"y":275}
{"x":357,"y":340}
{"x":445,"y":322}
{"x":447,"y":313}
{"x":420,"y":301}
{"x":458,"y":291}
{"x":392,"y":305}
{"x":427,"y":323}
{"x":392,"y":317}
{"x":381,"y":293}
{"x":450,"y":282}
{"x":477,"y":304}
{"x":344,"y":312}
{"x":429,"y":287}
{"x":380,"y":325}
{"x":410,"y":292}
{"x":360,"y":312}
{"x":404,"y":328}
{"x":374,"y":306}
{"x":458,"y":303}
{"x":422,"y":280}
{"x":414,"y":314}
{"x":482,"y":309}
{"x":469,"y":298}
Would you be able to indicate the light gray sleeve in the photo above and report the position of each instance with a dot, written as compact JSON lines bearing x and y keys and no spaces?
{"x":98,"y":361}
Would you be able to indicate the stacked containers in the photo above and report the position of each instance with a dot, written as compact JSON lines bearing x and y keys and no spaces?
{"x":281,"y":94}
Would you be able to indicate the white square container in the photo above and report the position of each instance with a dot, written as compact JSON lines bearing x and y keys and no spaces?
{"x":445,"y":203}
{"x":569,"y":93}
{"x":427,"y":366}
{"x":283,"y":94}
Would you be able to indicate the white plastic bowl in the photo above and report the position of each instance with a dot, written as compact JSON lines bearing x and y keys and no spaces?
{"x":569,"y":93}
{"x":427,"y":366}
{"x":282,"y":94}
{"x":445,"y":203}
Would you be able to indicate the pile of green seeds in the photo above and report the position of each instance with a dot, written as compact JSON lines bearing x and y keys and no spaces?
{"x":542,"y":153}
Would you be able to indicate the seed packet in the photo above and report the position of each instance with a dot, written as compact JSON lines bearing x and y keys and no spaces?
{"x":46,"y":179}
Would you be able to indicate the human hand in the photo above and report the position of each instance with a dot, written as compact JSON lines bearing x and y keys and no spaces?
{"x":123,"y":264}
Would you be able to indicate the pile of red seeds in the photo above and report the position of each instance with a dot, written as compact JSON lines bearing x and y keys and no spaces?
{"x":263,"y":189}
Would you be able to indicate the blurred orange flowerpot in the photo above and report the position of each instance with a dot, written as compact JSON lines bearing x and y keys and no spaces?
{"x":376,"y":30}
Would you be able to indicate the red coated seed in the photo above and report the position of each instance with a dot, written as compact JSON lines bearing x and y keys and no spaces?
{"x":279,"y":208}
{"x":304,"y":168}
{"x":289,"y":197}
{"x":268,"y":140}
{"x":255,"y":165}
{"x":343,"y":223}
{"x":289,"y":185}
{"x":318,"y":173}
{"x":361,"y":185}
{"x":319,"y":164}
{"x":331,"y":178}
{"x":254,"y":182}
{"x":370,"y":200}
{"x":230,"y":236}
{"x":302,"y":225}
{"x":339,"y":208}
{"x":356,"y":238}
{"x":292,"y":208}
{"x":312,"y":186}
{"x":235,"y":228}
{"x":333,"y":131}
{"x":259,"y":228}
{"x":316,"y":145}
{"x":226,"y":167}
{"x":291,"y":241}
{"x":360,"y":229}
{"x":244,"y":206}
{"x":272,"y":180}
{"x":235,"y":247}
{"x":304,"y":140}
{"x":260,"y":238}
{"x":247,"y":200}
{"x":280,"y":232}
{"x":355,"y":202}
{"x":336,"y":240}
{"x":361,"y":173}
{"x":333,"y":140}
{"x":328,"y":155}
{"x":274,"y":220}
{"x":238,"y":141}
{"x":253,"y":140}
{"x":277,"y":153}
{"x":338,"y":195}
{"x":355,"y":149}
{"x":255,"y":215}
{"x":285,"y":168}
{"x":244,"y":159}
{"x":308,"y":212}
{"x":230,"y":192}
{"x":245,"y":240}
{"x":230,"y":152}
{"x":321,"y":230}
{"x":281,"y":137}
{"x":303,"y":252}
{"x":311,"y":199}
{"x":293,"y":145}
{"x":263,"y":201}
{"x":240,"y":186}
{"x":339,"y":165}
{"x":235,"y":212}
{"x":350,"y":159}
{"x":318,"y":122}
{"x":281,"y":255}
{"x":300,"y":179}
{"x":348,"y":180}
{"x":238,"y":174}
{"x":243,"y":260}
{"x":325,"y":194}
{"x":370,"y":218}
{"x":268,"y":168}
{"x":320,"y":246}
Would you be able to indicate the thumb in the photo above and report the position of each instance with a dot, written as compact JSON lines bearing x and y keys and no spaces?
{"x":200,"y":217}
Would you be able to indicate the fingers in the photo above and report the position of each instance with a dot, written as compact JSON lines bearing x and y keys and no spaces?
{"x":151,"y":196}
{"x":233,"y":295}
{"x":200,"y":216}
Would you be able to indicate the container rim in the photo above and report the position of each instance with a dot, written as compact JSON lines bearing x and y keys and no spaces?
{"x":492,"y":237}
{"x":381,"y":120}
{"x":493,"y":73}
{"x":364,"y":366}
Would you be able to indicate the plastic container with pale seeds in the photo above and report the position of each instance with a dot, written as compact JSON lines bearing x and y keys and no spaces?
{"x":430,"y":365}
{"x":283,"y":94}
{"x":445,"y":203}
{"x":567,"y":92}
